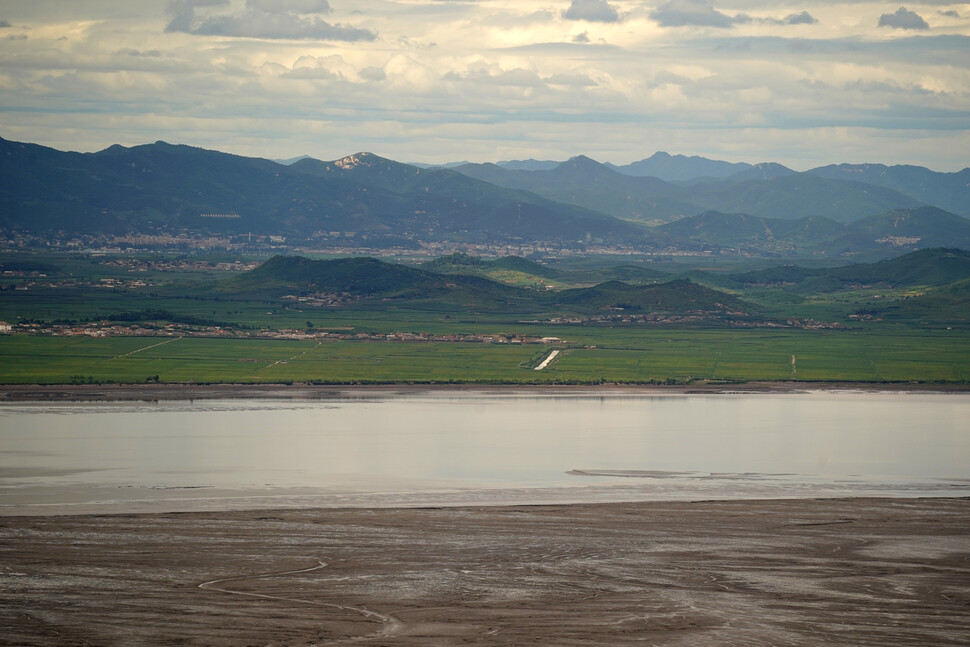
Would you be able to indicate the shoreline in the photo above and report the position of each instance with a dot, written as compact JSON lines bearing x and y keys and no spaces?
{"x":228,"y":391}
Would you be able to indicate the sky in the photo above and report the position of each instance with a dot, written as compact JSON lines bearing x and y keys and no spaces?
{"x":799,"y":82}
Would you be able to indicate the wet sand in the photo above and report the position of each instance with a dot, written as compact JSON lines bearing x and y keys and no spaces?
{"x":809,"y":572}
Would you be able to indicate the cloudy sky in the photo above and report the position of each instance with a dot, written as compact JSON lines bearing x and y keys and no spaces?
{"x":801,"y":82}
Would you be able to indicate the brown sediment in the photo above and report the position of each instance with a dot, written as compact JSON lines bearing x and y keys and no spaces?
{"x":154,"y":392}
{"x":784,"y":572}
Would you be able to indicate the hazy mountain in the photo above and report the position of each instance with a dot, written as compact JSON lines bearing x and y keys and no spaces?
{"x":680,"y":168}
{"x":950,"y":191}
{"x":764,"y":171}
{"x":528,"y":165}
{"x":773,"y":192}
{"x":292,"y":160}
{"x":584,"y":182}
{"x":798,"y":196}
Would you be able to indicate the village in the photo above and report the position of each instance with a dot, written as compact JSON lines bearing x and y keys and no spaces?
{"x":114,"y":329}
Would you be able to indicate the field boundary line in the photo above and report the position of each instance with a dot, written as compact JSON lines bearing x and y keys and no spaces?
{"x":138,"y":350}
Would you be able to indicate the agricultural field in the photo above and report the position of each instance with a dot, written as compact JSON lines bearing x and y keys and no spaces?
{"x":653,"y":356}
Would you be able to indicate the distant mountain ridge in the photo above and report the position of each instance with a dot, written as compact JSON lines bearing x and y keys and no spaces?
{"x":949,"y":191}
{"x":680,"y":168}
{"x":365,"y":201}
{"x":363,"y":198}
{"x":769,"y":191}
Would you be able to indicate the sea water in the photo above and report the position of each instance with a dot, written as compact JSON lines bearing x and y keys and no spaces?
{"x":479,"y":448}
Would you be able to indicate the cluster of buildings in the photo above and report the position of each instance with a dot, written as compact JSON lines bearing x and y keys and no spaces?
{"x":112,"y":329}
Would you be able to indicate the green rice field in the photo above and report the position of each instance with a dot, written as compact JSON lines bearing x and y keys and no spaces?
{"x":587,"y":356}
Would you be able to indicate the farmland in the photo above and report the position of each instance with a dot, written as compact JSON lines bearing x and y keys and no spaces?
{"x":588,"y":356}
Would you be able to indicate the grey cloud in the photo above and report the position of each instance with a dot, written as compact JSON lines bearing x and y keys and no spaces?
{"x":4,"y":24}
{"x":312,"y":74}
{"x":183,"y":13}
{"x":682,"y":13}
{"x":258,"y":24}
{"x":280,"y":23}
{"x":575,"y":80}
{"x":373,"y":74}
{"x":592,"y":11}
{"x":903,"y":19}
{"x":803,"y":18}
{"x":153,"y":53}
{"x":290,"y":6}
{"x":950,"y":13}
{"x":518,"y":77}
{"x":912,"y":49}
{"x":581,"y":38}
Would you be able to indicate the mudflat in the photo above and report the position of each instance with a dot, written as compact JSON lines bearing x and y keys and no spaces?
{"x":776,"y":572}
{"x":154,"y":392}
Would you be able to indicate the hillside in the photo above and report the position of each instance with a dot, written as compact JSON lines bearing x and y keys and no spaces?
{"x":367,"y":280}
{"x":680,"y":296}
{"x":911,"y":229}
{"x":791,"y":197}
{"x":363,"y":279}
{"x":927,"y":267}
{"x":876,"y":236}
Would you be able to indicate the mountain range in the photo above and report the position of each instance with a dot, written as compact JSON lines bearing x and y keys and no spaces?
{"x":367,"y":201}
{"x":362,"y":199}
{"x":768,"y":191}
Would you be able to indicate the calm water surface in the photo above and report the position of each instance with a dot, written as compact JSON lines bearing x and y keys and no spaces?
{"x":482,"y":448}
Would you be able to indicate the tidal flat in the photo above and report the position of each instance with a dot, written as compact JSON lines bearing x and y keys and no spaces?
{"x":782,"y":572}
